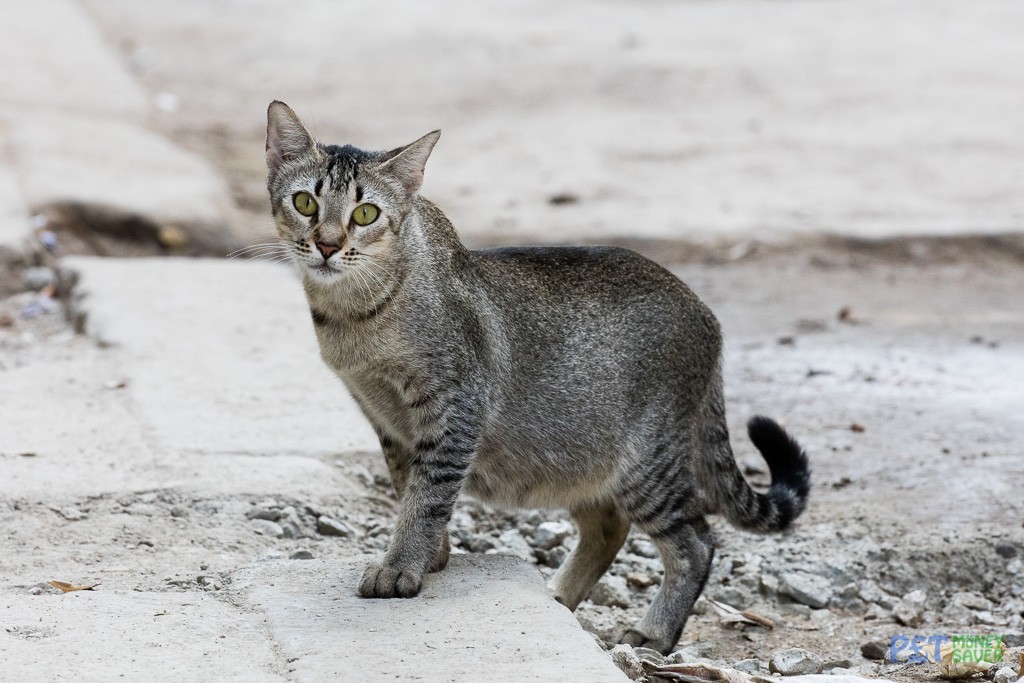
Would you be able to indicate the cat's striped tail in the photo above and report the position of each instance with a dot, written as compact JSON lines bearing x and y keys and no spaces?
{"x":744,"y":507}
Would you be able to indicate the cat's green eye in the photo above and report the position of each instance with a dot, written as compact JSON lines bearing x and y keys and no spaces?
{"x":365,"y":214}
{"x":304,"y":203}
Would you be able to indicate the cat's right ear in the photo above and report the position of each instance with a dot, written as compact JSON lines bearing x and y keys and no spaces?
{"x":287,"y":138}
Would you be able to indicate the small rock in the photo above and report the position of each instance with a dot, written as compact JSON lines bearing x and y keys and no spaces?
{"x":643,"y":548}
{"x":550,"y":534}
{"x":1006,"y":550}
{"x":172,"y":237}
{"x":1005,"y":675}
{"x":611,"y":591}
{"x":639,"y":579}
{"x":972,"y":600}
{"x":909,"y":611}
{"x":302,"y":555}
{"x":807,"y":589}
{"x":328,"y":526}
{"x":514,"y":543}
{"x":265,"y":527}
{"x":876,"y":650}
{"x":71,"y":513}
{"x":37,"y":277}
{"x":625,"y":658}
{"x":179,"y":511}
{"x":795,"y":662}
{"x":749,"y":666}
{"x":733,"y":596}
{"x":553,"y":558}
{"x":481,"y":543}
{"x":955,"y":613}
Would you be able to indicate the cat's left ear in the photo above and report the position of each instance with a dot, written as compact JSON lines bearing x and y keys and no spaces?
{"x":287,"y":138}
{"x":407,"y":163}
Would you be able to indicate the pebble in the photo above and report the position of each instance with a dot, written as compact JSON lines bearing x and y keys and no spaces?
{"x":1006,"y":550}
{"x":626,"y":659}
{"x":328,"y":526}
{"x":733,"y":596}
{"x":549,"y":534}
{"x":639,"y":579}
{"x":273,"y":514}
{"x":972,"y":600}
{"x":302,"y":555}
{"x":794,"y":662}
{"x":875,"y":649}
{"x":1005,"y":675}
{"x":552,"y":558}
{"x":611,"y":591}
{"x":179,"y":511}
{"x":37,"y":277}
{"x":514,"y":544}
{"x":265,"y":527}
{"x":807,"y":589}
{"x":749,"y":666}
{"x":643,"y":548}
{"x":909,"y":611}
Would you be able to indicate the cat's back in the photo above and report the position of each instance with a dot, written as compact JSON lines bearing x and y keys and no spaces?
{"x":570,"y":298}
{"x":594,"y":279}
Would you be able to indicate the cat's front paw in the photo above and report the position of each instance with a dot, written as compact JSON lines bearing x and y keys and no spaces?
{"x":389,"y":581}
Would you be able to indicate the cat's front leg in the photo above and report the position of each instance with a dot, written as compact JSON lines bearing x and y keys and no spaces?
{"x":432,"y":485}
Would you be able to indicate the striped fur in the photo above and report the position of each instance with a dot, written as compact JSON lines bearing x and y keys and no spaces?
{"x":579,"y":378}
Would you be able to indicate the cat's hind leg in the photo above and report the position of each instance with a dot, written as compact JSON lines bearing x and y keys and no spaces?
{"x":686,"y":546}
{"x":602,"y":530}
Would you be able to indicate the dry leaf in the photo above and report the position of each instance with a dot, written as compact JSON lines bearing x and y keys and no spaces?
{"x":69,"y":587}
{"x":950,"y":669}
{"x":696,"y":673}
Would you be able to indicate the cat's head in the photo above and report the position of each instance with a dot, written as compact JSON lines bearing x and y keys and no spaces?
{"x":339,"y":208}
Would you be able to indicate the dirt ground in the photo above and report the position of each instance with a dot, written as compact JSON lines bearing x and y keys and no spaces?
{"x":902,"y":381}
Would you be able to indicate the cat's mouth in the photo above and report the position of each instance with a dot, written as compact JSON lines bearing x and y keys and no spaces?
{"x":323,"y":271}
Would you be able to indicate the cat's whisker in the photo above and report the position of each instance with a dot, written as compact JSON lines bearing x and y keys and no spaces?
{"x":259,"y":254}
{"x":254,"y":247}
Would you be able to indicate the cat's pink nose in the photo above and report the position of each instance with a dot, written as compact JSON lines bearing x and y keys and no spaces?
{"x":328,"y":249}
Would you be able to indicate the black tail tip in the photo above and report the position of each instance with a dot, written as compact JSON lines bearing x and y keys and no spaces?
{"x":787,"y":462}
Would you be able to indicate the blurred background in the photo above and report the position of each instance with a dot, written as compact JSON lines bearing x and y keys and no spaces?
{"x":703,"y":122}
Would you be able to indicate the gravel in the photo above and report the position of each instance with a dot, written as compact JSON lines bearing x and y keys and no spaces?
{"x":550,"y":534}
{"x":807,"y":589}
{"x":909,"y":611}
{"x":795,"y":662}
{"x":328,"y":526}
{"x":611,"y":591}
{"x":875,"y":649}
{"x":265,"y":527}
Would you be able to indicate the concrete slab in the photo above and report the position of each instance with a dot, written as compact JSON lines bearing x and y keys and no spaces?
{"x":96,"y":636}
{"x":483,"y":618}
{"x":55,"y":59}
{"x":219,"y":356}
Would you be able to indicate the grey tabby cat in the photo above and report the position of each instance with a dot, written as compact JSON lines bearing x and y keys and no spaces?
{"x":578,"y":378}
